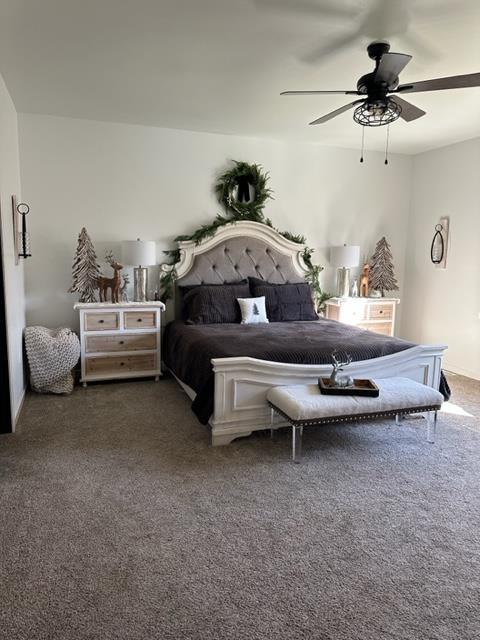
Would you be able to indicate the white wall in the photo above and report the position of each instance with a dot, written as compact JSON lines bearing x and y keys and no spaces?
{"x":14,"y":283}
{"x":125,"y":181}
{"x":443,"y":306}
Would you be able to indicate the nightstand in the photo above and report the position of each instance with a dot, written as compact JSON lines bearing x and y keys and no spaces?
{"x":120,"y":340}
{"x":375,"y":314}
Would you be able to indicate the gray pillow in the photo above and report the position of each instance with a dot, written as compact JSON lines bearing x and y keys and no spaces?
{"x":285,"y":302}
{"x":214,"y":303}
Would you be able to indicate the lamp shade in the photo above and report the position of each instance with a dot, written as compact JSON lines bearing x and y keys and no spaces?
{"x":345,"y":256}
{"x":139,"y":252}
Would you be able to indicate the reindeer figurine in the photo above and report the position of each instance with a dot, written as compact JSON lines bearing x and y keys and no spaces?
{"x":104,"y":284}
{"x":364,"y":280}
{"x":338,"y":363}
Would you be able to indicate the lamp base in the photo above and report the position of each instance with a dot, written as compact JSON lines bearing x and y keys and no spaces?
{"x":140,"y":284}
{"x":343,"y":282}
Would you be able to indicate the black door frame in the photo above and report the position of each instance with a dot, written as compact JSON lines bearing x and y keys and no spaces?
{"x":6,"y":418}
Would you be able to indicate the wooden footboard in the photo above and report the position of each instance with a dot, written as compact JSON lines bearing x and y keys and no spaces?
{"x":241,"y":384}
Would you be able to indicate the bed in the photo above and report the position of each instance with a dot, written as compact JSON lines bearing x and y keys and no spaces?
{"x":227,"y":369}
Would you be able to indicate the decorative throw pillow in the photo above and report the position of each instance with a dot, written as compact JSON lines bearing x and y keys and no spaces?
{"x":213,"y":303}
{"x":285,"y":302}
{"x":253,"y":310}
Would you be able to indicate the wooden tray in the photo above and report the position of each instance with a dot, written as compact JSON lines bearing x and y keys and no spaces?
{"x":360,"y":387}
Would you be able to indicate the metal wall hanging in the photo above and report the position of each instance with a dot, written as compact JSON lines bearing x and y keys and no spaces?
{"x":21,"y":237}
{"x":438,"y":248}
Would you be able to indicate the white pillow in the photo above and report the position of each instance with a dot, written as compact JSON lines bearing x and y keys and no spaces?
{"x":253,"y":310}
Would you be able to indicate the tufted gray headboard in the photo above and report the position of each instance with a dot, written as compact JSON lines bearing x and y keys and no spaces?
{"x":237,"y":251}
{"x":238,"y":258}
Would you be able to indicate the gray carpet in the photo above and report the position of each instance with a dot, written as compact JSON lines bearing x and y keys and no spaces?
{"x":120,"y":522}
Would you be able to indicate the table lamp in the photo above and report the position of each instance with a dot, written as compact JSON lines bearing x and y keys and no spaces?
{"x":343,"y":258}
{"x":141,"y":253}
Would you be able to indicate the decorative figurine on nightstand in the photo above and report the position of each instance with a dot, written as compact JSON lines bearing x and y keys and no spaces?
{"x":104,"y":284}
{"x":354,"y":290}
{"x":123,"y":288}
{"x":364,"y":280}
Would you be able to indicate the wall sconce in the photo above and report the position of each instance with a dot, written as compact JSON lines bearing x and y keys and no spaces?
{"x":21,"y":237}
{"x":439,"y":246}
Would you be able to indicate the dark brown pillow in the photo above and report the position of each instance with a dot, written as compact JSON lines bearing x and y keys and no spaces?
{"x":214,"y":303}
{"x":285,"y":302}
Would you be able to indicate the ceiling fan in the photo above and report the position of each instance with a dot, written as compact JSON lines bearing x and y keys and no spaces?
{"x":380,"y":102}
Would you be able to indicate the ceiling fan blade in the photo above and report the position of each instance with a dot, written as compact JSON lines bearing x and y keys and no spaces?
{"x":335,"y":113}
{"x":330,"y":47}
{"x":409,"y":111}
{"x":451,"y":82}
{"x":310,"y":7}
{"x":314,"y":93}
{"x":390,"y":67}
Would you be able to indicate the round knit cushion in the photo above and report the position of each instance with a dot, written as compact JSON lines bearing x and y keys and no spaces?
{"x":52,"y":354}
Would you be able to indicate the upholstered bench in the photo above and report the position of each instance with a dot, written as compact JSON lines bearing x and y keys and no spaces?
{"x":304,"y":405}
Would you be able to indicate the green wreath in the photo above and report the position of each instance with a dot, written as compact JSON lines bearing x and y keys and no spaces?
{"x":234,"y":190}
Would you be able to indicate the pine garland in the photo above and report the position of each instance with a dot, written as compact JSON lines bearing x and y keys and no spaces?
{"x":242,"y":211}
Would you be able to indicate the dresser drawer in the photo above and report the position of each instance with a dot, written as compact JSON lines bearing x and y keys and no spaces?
{"x":381,"y":311}
{"x":119,"y":364}
{"x":353,"y":313}
{"x":385,"y":328}
{"x":121,"y":342}
{"x":107,"y":321}
{"x":139,"y":320}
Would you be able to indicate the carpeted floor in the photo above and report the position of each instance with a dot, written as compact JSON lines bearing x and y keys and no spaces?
{"x":119,"y":521}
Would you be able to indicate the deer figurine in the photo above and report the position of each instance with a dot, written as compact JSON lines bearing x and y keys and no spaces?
{"x":364,"y":284}
{"x":104,"y":284}
{"x":338,"y":364}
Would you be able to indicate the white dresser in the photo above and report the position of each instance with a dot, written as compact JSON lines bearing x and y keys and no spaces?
{"x":375,"y":314}
{"x":120,"y":340}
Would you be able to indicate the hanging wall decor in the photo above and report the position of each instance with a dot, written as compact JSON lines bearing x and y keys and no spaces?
{"x":438,"y":248}
{"x":21,"y":237}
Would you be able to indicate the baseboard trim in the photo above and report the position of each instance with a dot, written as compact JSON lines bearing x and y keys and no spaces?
{"x":458,"y":371}
{"x":20,"y":407}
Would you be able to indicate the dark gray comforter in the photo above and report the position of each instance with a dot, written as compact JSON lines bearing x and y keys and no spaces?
{"x":189,"y":349}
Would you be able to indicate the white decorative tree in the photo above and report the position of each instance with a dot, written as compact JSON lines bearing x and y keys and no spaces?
{"x":382,"y":277}
{"x":85,"y":270}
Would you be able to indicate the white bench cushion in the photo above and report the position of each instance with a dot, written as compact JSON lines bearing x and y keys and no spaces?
{"x":305,"y":402}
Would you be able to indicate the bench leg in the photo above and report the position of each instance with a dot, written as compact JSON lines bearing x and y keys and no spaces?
{"x":432,"y":426}
{"x":399,"y":418}
{"x":273,"y":431}
{"x":297,"y":433}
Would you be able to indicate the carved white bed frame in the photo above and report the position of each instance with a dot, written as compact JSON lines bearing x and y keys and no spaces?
{"x":241,"y":383}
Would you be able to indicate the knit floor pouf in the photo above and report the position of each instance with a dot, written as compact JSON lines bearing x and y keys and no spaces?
{"x":52,"y":354}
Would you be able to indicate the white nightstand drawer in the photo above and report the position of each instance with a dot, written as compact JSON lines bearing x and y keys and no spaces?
{"x":139,"y":320}
{"x":119,"y":364}
{"x":104,"y":321}
{"x":121,"y":342}
{"x":381,"y":311}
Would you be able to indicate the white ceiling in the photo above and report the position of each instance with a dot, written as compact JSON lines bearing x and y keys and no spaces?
{"x":219,"y":65}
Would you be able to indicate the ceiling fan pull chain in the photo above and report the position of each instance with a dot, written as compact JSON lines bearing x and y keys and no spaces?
{"x":386,"y":145}
{"x":363,"y":143}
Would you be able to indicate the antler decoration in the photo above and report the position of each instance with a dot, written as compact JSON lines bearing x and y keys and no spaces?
{"x":340,"y":360}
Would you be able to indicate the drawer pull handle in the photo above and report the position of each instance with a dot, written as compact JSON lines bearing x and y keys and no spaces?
{"x":139,"y":319}
{"x":122,"y":364}
{"x":101,"y":321}
{"x":381,"y":311}
{"x":121,"y":342}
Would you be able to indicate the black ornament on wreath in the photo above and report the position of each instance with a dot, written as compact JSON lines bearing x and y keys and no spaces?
{"x":243,"y":191}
